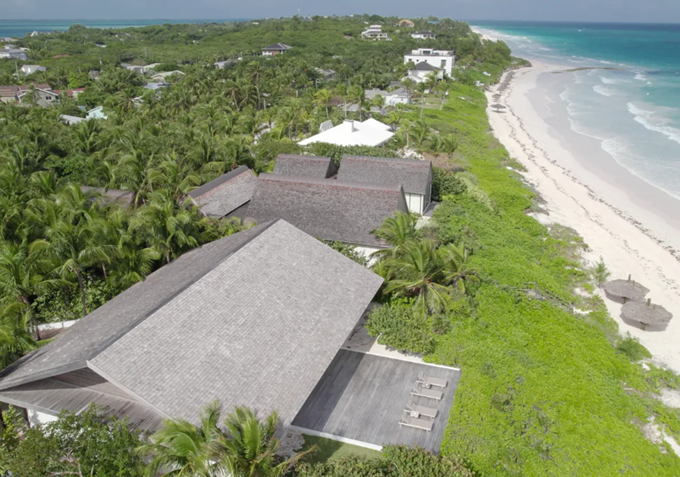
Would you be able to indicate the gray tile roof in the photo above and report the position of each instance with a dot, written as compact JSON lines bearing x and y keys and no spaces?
{"x":304,"y":166}
{"x":225,"y":194}
{"x":326,"y":208}
{"x":253,"y":319}
{"x":424,"y":66}
{"x":277,"y":47}
{"x":413,"y":175}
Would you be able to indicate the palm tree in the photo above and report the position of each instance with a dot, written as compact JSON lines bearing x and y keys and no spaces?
{"x":168,"y":229}
{"x":396,"y":231}
{"x":379,"y":101}
{"x":179,"y":448}
{"x":421,"y":87}
{"x":417,"y":272}
{"x":250,"y":446}
{"x":456,"y":271}
{"x":322,"y":99}
{"x":15,"y":341}
{"x":356,"y":95}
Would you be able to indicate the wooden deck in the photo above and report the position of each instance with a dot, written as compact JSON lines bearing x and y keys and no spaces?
{"x":362,"y":397}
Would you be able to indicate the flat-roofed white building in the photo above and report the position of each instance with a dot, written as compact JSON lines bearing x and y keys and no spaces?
{"x":442,"y":59}
{"x":374,"y":32}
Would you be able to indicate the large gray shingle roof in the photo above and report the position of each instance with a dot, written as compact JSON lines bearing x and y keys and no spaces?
{"x":255,"y":320}
{"x":325,"y":208}
{"x":304,"y":166}
{"x":89,"y":337}
{"x":413,"y":175}
{"x":225,"y":194}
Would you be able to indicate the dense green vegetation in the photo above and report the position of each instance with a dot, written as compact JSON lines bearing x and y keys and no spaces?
{"x":325,"y":450}
{"x":545,"y":391}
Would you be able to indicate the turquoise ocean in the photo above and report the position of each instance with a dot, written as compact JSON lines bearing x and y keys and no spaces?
{"x":19,"y":28}
{"x":630,"y":102}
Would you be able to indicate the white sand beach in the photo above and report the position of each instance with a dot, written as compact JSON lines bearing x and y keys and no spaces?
{"x":632,"y":225}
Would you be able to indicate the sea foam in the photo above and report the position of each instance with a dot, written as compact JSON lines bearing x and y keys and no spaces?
{"x":654,"y":122}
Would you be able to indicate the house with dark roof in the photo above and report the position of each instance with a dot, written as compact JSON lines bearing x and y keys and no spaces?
{"x":298,"y":165}
{"x":442,"y":59}
{"x":413,"y":175}
{"x":421,"y":71}
{"x":253,"y":319}
{"x":226,"y":196}
{"x":275,"y":49}
{"x":331,"y":210}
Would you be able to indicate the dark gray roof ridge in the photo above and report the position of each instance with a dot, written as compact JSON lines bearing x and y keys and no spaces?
{"x":208,"y":186}
{"x":330,"y":182}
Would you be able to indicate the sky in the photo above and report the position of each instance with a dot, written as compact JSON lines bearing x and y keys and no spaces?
{"x":653,"y":11}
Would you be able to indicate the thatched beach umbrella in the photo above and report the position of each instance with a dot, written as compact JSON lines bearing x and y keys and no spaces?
{"x":646,"y":313}
{"x":498,"y":107}
{"x":626,"y":289}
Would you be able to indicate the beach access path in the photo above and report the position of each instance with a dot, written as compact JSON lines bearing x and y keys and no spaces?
{"x":585,"y":189}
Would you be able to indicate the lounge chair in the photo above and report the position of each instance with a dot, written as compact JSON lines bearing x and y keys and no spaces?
{"x":409,"y":421}
{"x":412,"y":407}
{"x":430,"y":381}
{"x":428,"y":393}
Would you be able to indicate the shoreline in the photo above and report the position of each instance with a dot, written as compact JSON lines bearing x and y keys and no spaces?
{"x":583,"y":188}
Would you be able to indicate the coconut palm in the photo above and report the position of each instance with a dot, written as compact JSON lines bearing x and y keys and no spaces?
{"x":356,"y":95}
{"x":181,"y":449}
{"x":396,"y":231}
{"x":416,"y":271}
{"x":168,"y":229}
{"x":250,"y":446}
{"x":322,"y":99}
{"x":456,"y":270}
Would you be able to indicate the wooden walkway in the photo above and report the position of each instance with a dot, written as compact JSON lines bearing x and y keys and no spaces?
{"x":362,"y":397}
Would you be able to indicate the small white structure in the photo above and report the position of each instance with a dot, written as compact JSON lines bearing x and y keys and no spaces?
{"x":68,"y":119}
{"x":442,"y":59}
{"x":423,"y":35}
{"x":161,"y":77}
{"x":354,"y":133}
{"x":96,"y":113}
{"x":139,"y":69}
{"x":13,"y":53}
{"x":30,"y":69}
{"x":374,"y":32}
{"x":392,"y":98}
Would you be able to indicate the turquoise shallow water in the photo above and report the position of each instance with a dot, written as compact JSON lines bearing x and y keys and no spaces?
{"x":18,"y":28}
{"x":633,"y":109}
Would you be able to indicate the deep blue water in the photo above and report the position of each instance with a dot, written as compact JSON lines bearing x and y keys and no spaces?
{"x":634,"y":110}
{"x":18,"y":28}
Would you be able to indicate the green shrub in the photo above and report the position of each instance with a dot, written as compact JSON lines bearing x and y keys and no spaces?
{"x":348,"y":251}
{"x":632,"y":349}
{"x":336,"y":152}
{"x":65,"y":304}
{"x":600,"y":273}
{"x":399,"y":326}
{"x":445,"y":183}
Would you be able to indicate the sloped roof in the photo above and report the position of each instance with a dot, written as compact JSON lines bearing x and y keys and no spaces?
{"x":304,"y":166}
{"x":225,"y":194}
{"x":413,"y":175}
{"x":252,"y":319}
{"x":278,"y":47}
{"x":425,"y":66}
{"x":327,"y":209}
{"x":123,"y":197}
{"x":423,"y":32}
{"x":354,"y":133}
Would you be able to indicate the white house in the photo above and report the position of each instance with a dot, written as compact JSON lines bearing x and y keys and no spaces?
{"x":421,"y":71}
{"x":423,"y":35}
{"x":13,"y":53}
{"x":392,"y":98}
{"x":374,"y":32}
{"x":30,"y":69}
{"x":139,"y":69}
{"x":161,"y":77}
{"x":354,"y":133}
{"x":443,"y":59}
{"x":275,"y":49}
{"x":96,"y":113}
